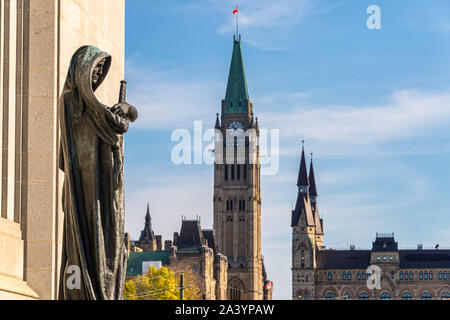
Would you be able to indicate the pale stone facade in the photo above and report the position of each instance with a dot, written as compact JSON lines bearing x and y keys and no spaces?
{"x":37,"y":41}
{"x":237,"y":188}
{"x":319,"y":273}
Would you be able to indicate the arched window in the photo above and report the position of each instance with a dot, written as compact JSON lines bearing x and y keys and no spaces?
{"x":445,"y":296}
{"x":347,"y":296}
{"x":330,"y":296}
{"x":411,"y":275}
{"x":306,"y":294}
{"x":236,"y":290}
{"x":406,"y":275}
{"x":401,"y":275}
{"x":385,"y":296}
{"x":364,"y":296}
{"x":445,"y":275}
{"x":364,"y":275}
{"x":349,"y":275}
{"x":430,"y":275}
{"x":359,"y":275}
{"x":440,"y":275}
{"x":426,"y":296}
{"x":421,"y":275}
{"x":344,"y":274}
{"x":426,"y":275}
{"x":406,"y":296}
{"x":330,"y":276}
{"x":300,"y":295}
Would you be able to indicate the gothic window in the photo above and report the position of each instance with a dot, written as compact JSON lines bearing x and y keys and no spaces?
{"x":299,"y":295}
{"x":364,"y":275}
{"x":406,"y":296}
{"x":406,"y":275}
{"x":330,"y":296}
{"x":426,"y":296}
{"x":245,"y":172}
{"x":385,"y":296}
{"x":431,"y":275}
{"x":349,"y":275}
{"x":347,"y":296}
{"x":440,"y":275}
{"x":232,"y":172}
{"x":302,"y":256}
{"x":411,"y":276}
{"x":236,"y":289}
{"x":364,"y":296}
{"x":359,"y":275}
{"x":421,"y":275}
{"x":426,"y":275}
{"x":330,"y":276}
{"x":307,"y":295}
{"x":226,"y":172}
{"x":445,"y":296}
{"x":344,"y":274}
{"x":401,"y":275}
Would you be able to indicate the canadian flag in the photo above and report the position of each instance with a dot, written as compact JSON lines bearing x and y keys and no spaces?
{"x":235,"y":11}
{"x":268,"y":285}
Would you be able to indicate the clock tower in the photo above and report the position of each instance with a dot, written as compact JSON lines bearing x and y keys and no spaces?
{"x":237,"y":197}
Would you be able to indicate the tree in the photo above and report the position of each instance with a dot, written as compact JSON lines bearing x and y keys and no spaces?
{"x":162,"y":284}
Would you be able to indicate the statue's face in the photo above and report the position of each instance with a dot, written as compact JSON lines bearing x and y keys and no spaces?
{"x":98,"y":72}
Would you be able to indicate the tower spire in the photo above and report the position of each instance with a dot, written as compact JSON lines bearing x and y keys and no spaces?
{"x":312,"y":182}
{"x":236,"y":97}
{"x":302,"y":181}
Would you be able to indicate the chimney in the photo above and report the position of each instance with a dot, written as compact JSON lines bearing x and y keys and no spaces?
{"x":158,"y":243}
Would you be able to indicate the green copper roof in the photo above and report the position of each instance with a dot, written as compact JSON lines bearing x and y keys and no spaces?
{"x":237,"y":94}
{"x":135,"y":259}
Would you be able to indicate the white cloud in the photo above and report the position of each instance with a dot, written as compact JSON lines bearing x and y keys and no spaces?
{"x":408,"y":113}
{"x":267,"y":24}
{"x":168,"y":100}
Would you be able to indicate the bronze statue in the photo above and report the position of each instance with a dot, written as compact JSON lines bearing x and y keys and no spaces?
{"x":91,"y":157}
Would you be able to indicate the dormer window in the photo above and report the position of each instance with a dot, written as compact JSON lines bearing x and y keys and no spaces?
{"x":303,"y":189}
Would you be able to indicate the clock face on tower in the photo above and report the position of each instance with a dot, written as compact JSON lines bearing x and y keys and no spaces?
{"x":235,"y":125}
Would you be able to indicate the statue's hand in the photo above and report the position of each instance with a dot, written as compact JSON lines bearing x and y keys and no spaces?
{"x":125,"y":110}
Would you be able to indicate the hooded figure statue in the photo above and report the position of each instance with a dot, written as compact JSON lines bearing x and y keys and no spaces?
{"x":94,"y":255}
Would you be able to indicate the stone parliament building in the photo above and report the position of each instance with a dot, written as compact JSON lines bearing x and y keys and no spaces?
{"x":228,"y":257}
{"x":319,"y":273}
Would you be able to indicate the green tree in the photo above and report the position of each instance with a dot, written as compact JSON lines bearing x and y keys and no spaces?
{"x":162,"y":284}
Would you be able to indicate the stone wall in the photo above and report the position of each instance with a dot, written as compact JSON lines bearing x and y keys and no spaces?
{"x":37,"y":41}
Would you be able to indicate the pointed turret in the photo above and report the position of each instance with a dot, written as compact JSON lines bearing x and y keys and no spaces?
{"x":312,"y":183}
{"x":302,"y":181}
{"x":313,"y":198}
{"x":217,"y":122}
{"x":302,"y":206}
{"x":147,"y":234}
{"x":236,"y":97}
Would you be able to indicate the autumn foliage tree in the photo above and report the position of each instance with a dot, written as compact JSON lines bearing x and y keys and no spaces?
{"x":163,"y":284}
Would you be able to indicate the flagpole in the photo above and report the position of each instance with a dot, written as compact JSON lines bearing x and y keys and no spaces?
{"x":237,"y":23}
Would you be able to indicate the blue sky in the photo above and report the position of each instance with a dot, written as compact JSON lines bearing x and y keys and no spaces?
{"x":373,"y":106}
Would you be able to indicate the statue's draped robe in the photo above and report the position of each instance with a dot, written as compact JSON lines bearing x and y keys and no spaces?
{"x":92,"y":198}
